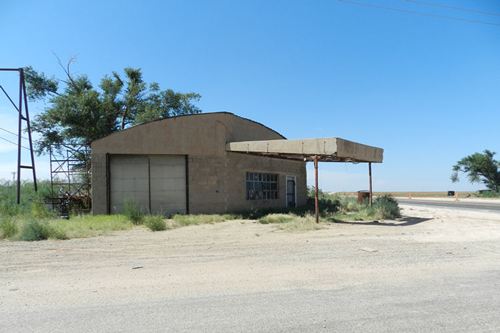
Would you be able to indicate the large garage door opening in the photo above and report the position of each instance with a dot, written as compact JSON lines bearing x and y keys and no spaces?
{"x":156,"y":184}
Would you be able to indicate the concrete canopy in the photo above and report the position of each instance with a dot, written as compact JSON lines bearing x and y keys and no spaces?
{"x":324,"y":149}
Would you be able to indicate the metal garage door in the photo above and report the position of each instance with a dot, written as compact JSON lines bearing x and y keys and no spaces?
{"x":157,"y":184}
{"x":168,"y":184}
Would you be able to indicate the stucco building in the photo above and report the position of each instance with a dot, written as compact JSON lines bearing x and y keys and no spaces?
{"x":182,"y":165}
{"x":210,"y":163}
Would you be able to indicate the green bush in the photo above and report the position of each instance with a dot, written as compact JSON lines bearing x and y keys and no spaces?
{"x":8,"y":205}
{"x":40,"y":210}
{"x":34,"y":231}
{"x":277,"y":218}
{"x":8,"y":228}
{"x":488,"y":194}
{"x":133,"y":212}
{"x":155,"y":223}
{"x":386,"y":207}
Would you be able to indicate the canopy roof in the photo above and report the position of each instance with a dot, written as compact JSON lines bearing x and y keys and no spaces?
{"x":324,"y":149}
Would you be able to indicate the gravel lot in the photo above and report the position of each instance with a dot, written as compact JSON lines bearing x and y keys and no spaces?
{"x":436,"y":270}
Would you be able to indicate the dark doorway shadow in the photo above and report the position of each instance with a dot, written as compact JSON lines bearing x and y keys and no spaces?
{"x":400,"y":222}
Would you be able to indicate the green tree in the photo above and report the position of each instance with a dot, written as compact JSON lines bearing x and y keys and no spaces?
{"x":480,"y":168}
{"x":78,"y":112}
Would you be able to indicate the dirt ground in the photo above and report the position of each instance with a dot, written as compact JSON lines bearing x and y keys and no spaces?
{"x":44,"y":285}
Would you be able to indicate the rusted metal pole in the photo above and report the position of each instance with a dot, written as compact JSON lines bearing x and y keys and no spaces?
{"x":371,"y":187}
{"x":32,"y":155}
{"x":316,"y":200}
{"x":20,"y":131}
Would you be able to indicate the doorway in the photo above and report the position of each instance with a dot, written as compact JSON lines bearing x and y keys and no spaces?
{"x":291,"y":192}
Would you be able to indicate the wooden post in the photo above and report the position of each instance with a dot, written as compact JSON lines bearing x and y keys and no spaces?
{"x":371,"y":185}
{"x":316,"y":203}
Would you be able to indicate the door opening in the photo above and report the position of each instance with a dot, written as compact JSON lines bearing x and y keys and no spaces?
{"x":291,"y":193}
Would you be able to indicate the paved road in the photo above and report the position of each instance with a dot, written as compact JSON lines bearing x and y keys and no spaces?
{"x":454,"y":304}
{"x":483,"y":206}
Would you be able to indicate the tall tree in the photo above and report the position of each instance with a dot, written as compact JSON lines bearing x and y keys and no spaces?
{"x":480,"y":168}
{"x":79,"y":113}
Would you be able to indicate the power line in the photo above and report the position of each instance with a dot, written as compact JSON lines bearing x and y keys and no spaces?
{"x":14,"y":143}
{"x":409,"y":11}
{"x":463,"y":9}
{"x":6,"y":130}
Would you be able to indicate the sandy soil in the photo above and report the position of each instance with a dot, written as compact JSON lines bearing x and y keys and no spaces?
{"x":241,"y":257}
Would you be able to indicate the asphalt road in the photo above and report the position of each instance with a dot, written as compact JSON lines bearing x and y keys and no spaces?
{"x":457,"y":304}
{"x":481,"y":206}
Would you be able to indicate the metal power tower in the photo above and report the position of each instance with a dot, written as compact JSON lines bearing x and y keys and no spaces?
{"x":24,"y":118}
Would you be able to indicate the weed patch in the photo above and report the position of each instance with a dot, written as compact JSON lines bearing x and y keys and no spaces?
{"x":300,"y":224}
{"x":8,"y":228}
{"x":277,"y":218}
{"x":185,"y":220}
{"x":133,"y":212}
{"x":155,"y":223}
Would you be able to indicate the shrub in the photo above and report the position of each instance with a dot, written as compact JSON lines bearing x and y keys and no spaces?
{"x":301,"y":224}
{"x":277,"y":218}
{"x":133,"y":212}
{"x":386,"y":207}
{"x":488,"y":194}
{"x":39,"y":210}
{"x":155,"y":223}
{"x":34,"y":231}
{"x":8,"y":228}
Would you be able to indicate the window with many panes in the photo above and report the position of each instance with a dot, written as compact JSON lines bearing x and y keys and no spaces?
{"x":262,"y":186}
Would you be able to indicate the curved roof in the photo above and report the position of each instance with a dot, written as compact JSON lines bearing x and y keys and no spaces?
{"x":193,"y":115}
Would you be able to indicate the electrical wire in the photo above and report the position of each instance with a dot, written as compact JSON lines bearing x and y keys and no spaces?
{"x":409,"y":11}
{"x":6,"y":130}
{"x":462,"y":9}
{"x":14,"y":143}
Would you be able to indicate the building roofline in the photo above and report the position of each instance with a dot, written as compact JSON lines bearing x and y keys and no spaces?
{"x":191,"y":115}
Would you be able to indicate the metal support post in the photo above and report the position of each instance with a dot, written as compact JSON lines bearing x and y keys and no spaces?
{"x":316,"y":199}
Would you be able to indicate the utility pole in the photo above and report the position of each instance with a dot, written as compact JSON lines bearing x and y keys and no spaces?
{"x":23,"y":115}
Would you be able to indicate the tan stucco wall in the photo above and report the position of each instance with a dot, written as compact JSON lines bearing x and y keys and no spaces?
{"x":216,"y":178}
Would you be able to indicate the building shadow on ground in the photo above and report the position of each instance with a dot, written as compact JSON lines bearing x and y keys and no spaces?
{"x":400,"y":222}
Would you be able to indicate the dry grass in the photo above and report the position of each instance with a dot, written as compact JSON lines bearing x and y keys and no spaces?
{"x":32,"y":229}
{"x":300,"y":224}
{"x":185,"y":220}
{"x":291,"y":222}
{"x":277,"y":218}
{"x":406,"y":194}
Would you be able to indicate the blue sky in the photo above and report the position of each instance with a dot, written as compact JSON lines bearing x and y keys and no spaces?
{"x":426,"y":88}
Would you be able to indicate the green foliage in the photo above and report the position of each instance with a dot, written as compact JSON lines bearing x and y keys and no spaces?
{"x":300,"y":224}
{"x":29,"y":198}
{"x":34,"y":231}
{"x":81,"y":113}
{"x":480,"y":168}
{"x":277,"y":218}
{"x":88,"y":225}
{"x":38,"y":84}
{"x":29,"y":229}
{"x":155,"y":223}
{"x":40,"y":210}
{"x":291,"y":222}
{"x":133,"y":212}
{"x":386,"y":207}
{"x":488,"y":194}
{"x":8,"y":228}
